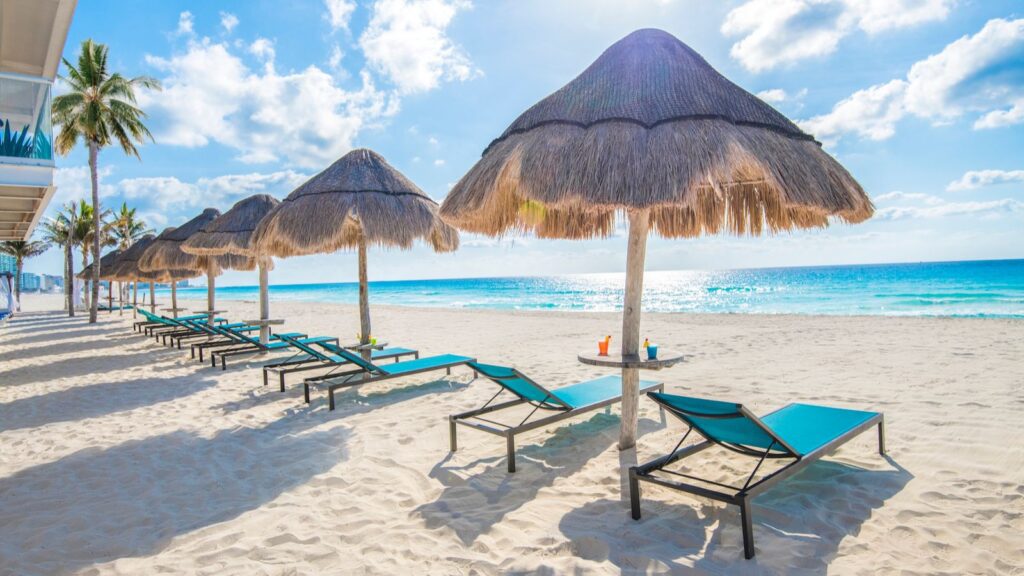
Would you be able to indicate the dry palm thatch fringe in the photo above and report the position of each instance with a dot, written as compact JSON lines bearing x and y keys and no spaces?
{"x":232,"y":232}
{"x":165,"y":252}
{"x":359,"y":195}
{"x":127,"y":266}
{"x":107,"y":263}
{"x":651,"y":125}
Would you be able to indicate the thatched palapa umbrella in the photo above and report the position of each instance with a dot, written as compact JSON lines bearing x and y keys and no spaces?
{"x":357,"y":201}
{"x":232,"y":233}
{"x":127,"y":269}
{"x":652,"y":132}
{"x":165,"y":255}
{"x":107,"y":262}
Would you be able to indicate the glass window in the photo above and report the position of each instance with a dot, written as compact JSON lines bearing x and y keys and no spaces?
{"x":25,"y":128}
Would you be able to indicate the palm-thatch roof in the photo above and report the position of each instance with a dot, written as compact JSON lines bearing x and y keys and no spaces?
{"x":650,"y":124}
{"x":359,"y":195}
{"x":127,"y":266}
{"x":232,"y":232}
{"x":165,"y":252}
{"x":107,"y":264}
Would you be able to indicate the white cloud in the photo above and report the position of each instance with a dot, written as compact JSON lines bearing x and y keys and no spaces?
{"x":983,"y":73}
{"x":303,"y":117}
{"x":406,"y":42}
{"x":871,"y":113}
{"x":165,"y":193}
{"x":185,"y":23}
{"x":74,"y":183}
{"x":989,"y":208}
{"x":263,"y":49}
{"x":777,"y":32}
{"x":335,"y":59}
{"x":918,"y":196}
{"x":925,"y":206}
{"x":228,"y":21}
{"x":339,"y":13}
{"x":439,"y":162}
{"x":974,"y":179}
{"x":772,"y":96}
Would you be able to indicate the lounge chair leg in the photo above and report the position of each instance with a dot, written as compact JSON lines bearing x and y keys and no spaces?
{"x":881,"y":437}
{"x":264,"y":376}
{"x":453,"y":443}
{"x":634,"y":494}
{"x":510,"y":440}
{"x":748,"y":529}
{"x":330,"y":398}
{"x":280,"y":377}
{"x":223,"y":362}
{"x":305,"y":391}
{"x":448,"y":371}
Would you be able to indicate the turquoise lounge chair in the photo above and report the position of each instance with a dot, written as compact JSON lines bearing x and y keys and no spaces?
{"x":801,"y":433}
{"x":309,"y":358}
{"x":368,"y":372}
{"x":566,"y":402}
{"x":244,"y":344}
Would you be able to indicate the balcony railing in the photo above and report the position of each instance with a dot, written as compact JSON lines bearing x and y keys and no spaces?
{"x":26,"y":132}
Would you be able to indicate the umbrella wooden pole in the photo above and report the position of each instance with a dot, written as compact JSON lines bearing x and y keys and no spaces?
{"x":110,"y":297}
{"x":636,"y":253}
{"x":152,"y":297}
{"x":120,"y":298}
{"x":364,"y":298}
{"x":210,"y":286}
{"x":264,"y":302}
{"x":135,"y":298}
{"x":174,"y":299}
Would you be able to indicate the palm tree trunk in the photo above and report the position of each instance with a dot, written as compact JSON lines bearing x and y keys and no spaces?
{"x":85,"y":262}
{"x":69,"y":278}
{"x":17,"y":285}
{"x":94,"y":152}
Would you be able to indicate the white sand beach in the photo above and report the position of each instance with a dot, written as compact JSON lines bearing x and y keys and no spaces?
{"x":119,"y":456}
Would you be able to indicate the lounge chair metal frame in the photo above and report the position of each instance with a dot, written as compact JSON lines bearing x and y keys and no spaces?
{"x":738,"y":496}
{"x":308,"y":358}
{"x":473,"y":419}
{"x":368,"y":373}
{"x":247,"y":345}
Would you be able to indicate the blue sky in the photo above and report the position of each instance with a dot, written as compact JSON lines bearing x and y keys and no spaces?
{"x":922,"y":100}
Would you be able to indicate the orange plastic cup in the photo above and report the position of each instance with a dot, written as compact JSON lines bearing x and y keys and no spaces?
{"x":602,"y":347}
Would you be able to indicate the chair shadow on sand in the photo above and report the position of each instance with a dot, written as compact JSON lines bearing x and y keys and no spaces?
{"x":798,"y":525}
{"x":58,"y":333}
{"x":471,"y":504}
{"x":94,"y":400}
{"x":180,"y":482}
{"x":86,"y":366}
{"x":353,"y":401}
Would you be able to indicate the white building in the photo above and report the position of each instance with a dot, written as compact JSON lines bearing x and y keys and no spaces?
{"x":32,"y":36}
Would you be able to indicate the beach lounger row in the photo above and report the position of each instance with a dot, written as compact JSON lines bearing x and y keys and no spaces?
{"x":798,"y":434}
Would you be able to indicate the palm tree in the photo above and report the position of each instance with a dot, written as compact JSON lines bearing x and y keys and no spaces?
{"x":126,"y":228}
{"x":100,"y":110}
{"x":58,"y":230}
{"x":21,"y":250}
{"x":83,"y":233}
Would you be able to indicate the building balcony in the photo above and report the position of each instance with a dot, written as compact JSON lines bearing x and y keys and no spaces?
{"x":27,"y":132}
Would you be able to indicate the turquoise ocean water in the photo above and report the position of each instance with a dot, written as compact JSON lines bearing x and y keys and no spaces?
{"x":992,"y":288}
